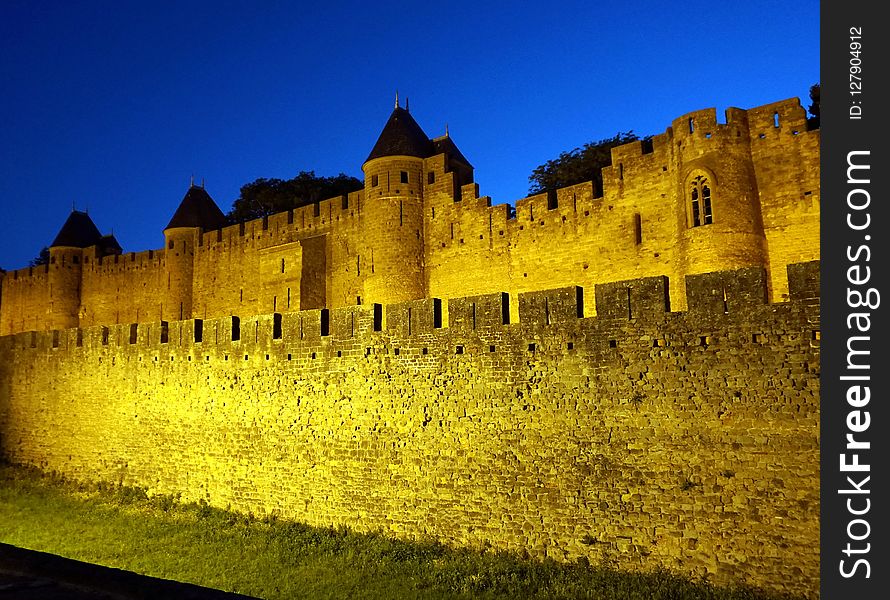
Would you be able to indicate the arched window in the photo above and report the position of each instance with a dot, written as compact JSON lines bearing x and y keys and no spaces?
{"x":700,"y":201}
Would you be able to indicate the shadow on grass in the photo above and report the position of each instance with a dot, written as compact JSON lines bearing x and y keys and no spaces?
{"x":272,"y":558}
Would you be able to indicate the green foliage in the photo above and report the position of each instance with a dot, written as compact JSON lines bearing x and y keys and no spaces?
{"x":265,"y":197}
{"x":578,"y":165}
{"x":40,"y":259}
{"x":157,"y":535}
{"x":125,"y":495}
{"x":814,"y":109}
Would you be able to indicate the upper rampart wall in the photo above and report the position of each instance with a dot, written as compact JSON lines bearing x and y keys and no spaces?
{"x":23,"y":299}
{"x":785,"y":155}
{"x":121,"y":288}
{"x":239,"y":269}
{"x":639,"y":224}
{"x":763,"y":167}
{"x":235,"y":272}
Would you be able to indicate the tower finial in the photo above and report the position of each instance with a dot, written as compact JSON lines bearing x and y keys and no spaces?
{"x":202,"y":183}
{"x":406,"y":104}
{"x":397,"y":98}
{"x":446,"y":129}
{"x":192,"y":181}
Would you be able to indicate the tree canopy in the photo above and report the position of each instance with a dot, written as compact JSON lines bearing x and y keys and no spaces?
{"x":578,"y":165}
{"x":265,"y":197}
{"x":813,"y":120}
{"x":40,"y":259}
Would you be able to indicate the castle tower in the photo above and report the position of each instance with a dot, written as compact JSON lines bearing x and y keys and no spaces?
{"x":721,"y":222}
{"x":196,"y":213}
{"x":65,"y":269}
{"x":393,"y":226}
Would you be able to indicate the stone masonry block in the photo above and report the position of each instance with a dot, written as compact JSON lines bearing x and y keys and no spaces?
{"x":352,"y":321}
{"x":474,"y":312}
{"x":311,"y":324}
{"x":804,"y":280}
{"x":726,"y":291}
{"x":552,"y":306}
{"x":646,"y":297}
{"x":414,"y":316}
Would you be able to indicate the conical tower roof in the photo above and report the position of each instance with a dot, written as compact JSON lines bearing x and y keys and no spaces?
{"x":109,"y":245}
{"x":446,"y":145}
{"x":79,"y":231}
{"x":197,"y":209}
{"x":401,"y":136}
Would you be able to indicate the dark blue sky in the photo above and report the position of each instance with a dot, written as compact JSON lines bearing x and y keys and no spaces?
{"x":113,"y":106}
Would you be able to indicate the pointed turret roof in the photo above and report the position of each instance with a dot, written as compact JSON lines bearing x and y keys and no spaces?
{"x":401,"y":136}
{"x":447,"y":146}
{"x":109,"y":245}
{"x":79,"y":231}
{"x":197,"y":209}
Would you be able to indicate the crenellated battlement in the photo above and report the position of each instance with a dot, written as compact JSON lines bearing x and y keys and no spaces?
{"x":95,"y":263}
{"x":286,"y":226}
{"x":421,"y":229}
{"x":27,"y":275}
{"x":760,"y":170}
{"x":734,"y":296}
{"x":622,"y":375}
{"x":783,"y":118}
{"x":513,"y":421}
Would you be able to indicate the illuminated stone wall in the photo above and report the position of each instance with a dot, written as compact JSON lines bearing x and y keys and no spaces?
{"x":305,"y":258}
{"x":434,"y":236}
{"x":639,"y":437}
{"x":24,"y":300}
{"x":128,"y":288}
{"x":763,"y":167}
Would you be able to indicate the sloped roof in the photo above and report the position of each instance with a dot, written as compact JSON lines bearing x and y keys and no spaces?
{"x":109,"y":245}
{"x":79,"y":231}
{"x":446,"y":145}
{"x":197,"y":209}
{"x":401,"y":136}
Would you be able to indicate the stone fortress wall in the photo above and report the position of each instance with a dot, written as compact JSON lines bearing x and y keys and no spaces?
{"x":640,"y":437}
{"x":763,"y":165}
{"x":435,"y":237}
{"x":594,"y":377}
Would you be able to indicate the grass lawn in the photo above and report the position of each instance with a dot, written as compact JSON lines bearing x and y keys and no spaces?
{"x":123,"y":528}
